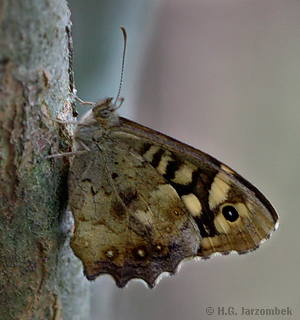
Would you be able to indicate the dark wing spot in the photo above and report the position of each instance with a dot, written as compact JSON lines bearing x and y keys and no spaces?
{"x":157,"y":157}
{"x":128,"y":195}
{"x":114,"y":175}
{"x":172,"y":167}
{"x":145,"y":148}
{"x":140,"y":253}
{"x":230,"y":213}
{"x":117,"y":209}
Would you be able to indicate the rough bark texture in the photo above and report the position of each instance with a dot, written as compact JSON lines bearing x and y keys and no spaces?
{"x":40,"y":278}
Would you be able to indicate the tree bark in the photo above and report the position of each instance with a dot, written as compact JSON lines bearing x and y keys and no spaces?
{"x":40,"y":278}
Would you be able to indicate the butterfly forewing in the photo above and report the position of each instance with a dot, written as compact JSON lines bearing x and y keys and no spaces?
{"x":142,"y":202}
{"x":231,"y":214}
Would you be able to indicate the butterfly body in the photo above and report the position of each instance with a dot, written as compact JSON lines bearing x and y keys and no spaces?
{"x":142,"y":201}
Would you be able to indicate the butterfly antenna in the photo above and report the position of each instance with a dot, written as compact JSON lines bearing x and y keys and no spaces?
{"x":123,"y":64}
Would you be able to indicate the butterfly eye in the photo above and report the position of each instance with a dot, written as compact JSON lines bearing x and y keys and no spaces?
{"x":105,"y":113}
{"x":230,"y":213}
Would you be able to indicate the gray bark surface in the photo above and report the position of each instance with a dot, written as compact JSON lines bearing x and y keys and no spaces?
{"x":40,"y":278}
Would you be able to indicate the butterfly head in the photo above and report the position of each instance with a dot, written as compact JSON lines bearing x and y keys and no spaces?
{"x":103,"y":113}
{"x":106,"y":109}
{"x":95,"y":123}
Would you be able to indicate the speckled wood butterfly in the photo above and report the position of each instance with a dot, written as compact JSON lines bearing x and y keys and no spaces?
{"x":143,"y":202}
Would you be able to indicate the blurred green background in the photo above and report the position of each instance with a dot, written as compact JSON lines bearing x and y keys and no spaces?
{"x":224,"y":77}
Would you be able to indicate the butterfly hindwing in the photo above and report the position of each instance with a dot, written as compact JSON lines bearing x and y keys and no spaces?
{"x":129,"y":222}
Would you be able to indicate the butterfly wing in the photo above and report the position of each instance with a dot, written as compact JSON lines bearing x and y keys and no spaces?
{"x":129,"y":222}
{"x":231,"y":214}
{"x":142,"y":202}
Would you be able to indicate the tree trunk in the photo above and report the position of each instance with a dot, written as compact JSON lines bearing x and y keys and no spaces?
{"x":40,"y":278}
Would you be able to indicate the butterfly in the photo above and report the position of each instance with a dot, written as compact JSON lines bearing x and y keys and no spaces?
{"x":142,"y":201}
